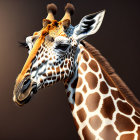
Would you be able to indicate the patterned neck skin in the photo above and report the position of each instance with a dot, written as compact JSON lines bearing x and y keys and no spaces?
{"x":98,"y":108}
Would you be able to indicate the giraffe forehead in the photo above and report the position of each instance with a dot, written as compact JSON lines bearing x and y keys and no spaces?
{"x":54,"y":29}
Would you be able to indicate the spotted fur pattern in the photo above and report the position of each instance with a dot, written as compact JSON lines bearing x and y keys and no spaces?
{"x":98,"y":108}
{"x":52,"y":65}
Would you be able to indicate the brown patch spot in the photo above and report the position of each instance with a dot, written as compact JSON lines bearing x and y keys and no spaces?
{"x":136,"y":119}
{"x":57,"y":69}
{"x":73,"y":85}
{"x":69,"y":64}
{"x":87,"y":134}
{"x":124,"y":107}
{"x":103,"y":87}
{"x":34,"y":68}
{"x":39,"y":64}
{"x":52,"y":68}
{"x":46,"y":56}
{"x":91,"y":80}
{"x":78,"y":98}
{"x":41,"y":50}
{"x":85,"y":56}
{"x":127,"y":137}
{"x":49,"y":78}
{"x":37,"y":53}
{"x":66,"y":61}
{"x":43,"y":61}
{"x":76,"y":124}
{"x":53,"y":78}
{"x":71,"y":106}
{"x":84,"y":89}
{"x":46,"y":84}
{"x":79,"y":83}
{"x":61,"y":66}
{"x":138,"y":132}
{"x":108,"y":108}
{"x":79,"y":71}
{"x":95,"y":122}
{"x":68,"y":94}
{"x":62,"y":74}
{"x":50,"y":73}
{"x":81,"y":114}
{"x":84,"y":66}
{"x":100,"y":76}
{"x":42,"y":55}
{"x":123,"y":123}
{"x":92,"y":101}
{"x":55,"y":63}
{"x":41,"y":81}
{"x":93,"y":65}
{"x":68,"y":80}
{"x":108,"y":79}
{"x":67,"y":71}
{"x":116,"y":94}
{"x":108,"y":133}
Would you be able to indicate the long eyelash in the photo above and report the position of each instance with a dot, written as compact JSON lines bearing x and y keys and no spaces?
{"x":23,"y":44}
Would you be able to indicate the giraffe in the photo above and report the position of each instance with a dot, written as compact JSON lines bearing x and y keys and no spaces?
{"x":103,"y":107}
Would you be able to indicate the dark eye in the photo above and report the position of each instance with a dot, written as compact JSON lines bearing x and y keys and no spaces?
{"x":34,"y":39}
{"x":62,"y":47}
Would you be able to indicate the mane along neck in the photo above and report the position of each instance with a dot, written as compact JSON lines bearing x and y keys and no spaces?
{"x":114,"y":78}
{"x":108,"y":72}
{"x":96,"y":99}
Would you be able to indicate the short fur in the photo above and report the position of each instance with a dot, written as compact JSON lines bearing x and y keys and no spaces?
{"x":122,"y":87}
{"x":52,"y":7}
{"x":70,"y":8}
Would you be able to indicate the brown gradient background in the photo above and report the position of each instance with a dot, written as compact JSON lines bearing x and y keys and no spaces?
{"x":47,"y":116}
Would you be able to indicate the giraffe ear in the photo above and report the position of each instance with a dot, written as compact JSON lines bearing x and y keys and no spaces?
{"x":88,"y":25}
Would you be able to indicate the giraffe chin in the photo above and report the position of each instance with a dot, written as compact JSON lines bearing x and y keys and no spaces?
{"x":27,"y":99}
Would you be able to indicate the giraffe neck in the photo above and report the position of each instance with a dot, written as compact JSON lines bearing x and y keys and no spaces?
{"x":98,"y":108}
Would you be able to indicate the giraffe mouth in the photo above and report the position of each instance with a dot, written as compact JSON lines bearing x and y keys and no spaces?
{"x":28,"y":97}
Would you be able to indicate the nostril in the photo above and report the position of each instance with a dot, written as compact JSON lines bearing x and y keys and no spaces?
{"x":26,"y":84}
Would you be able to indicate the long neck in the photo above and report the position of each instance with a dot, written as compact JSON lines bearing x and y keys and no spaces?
{"x":98,"y":108}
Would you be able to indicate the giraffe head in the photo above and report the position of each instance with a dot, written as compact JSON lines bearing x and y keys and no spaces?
{"x":52,"y":52}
